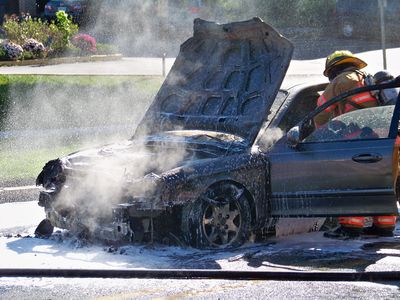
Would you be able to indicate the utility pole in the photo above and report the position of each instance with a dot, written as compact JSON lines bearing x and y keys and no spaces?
{"x":382,"y":6}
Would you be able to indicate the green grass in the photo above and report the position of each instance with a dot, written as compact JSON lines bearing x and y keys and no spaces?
{"x":26,"y":164}
{"x":25,"y":84}
{"x":18,"y":164}
{"x":144,"y":82}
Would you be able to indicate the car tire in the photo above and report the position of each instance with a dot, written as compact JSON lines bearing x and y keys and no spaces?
{"x":220,"y":218}
{"x":44,"y":229}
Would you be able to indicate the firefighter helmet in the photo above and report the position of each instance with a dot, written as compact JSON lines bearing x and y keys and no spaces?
{"x":341,"y":57}
{"x":382,"y":76}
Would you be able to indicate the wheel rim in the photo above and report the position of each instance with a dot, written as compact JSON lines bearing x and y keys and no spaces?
{"x":222,"y":223}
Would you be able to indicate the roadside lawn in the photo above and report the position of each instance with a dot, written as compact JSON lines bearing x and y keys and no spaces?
{"x":22,"y":166}
{"x":36,"y":103}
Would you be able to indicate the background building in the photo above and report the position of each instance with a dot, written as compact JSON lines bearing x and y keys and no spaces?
{"x":9,"y":7}
{"x":27,"y":6}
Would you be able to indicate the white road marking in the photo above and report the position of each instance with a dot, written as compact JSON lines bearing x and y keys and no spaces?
{"x":20,"y":188}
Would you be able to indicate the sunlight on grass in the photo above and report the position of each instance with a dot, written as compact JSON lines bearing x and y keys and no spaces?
{"x":26,"y":164}
{"x":144,"y":82}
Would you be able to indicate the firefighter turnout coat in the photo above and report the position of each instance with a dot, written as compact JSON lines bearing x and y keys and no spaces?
{"x":342,"y":83}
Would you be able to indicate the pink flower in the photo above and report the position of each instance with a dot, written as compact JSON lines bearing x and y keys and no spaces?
{"x":85,"y":42}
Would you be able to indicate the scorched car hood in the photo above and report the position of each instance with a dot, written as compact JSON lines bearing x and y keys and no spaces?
{"x":224,"y":79}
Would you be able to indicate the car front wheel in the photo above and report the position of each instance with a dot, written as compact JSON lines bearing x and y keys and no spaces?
{"x":219,"y":218}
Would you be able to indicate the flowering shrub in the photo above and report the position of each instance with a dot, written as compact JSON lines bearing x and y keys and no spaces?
{"x":3,"y":54}
{"x":85,"y":42}
{"x":33,"y":46}
{"x":55,"y":36}
{"x":46,"y":39}
{"x":21,"y":28}
{"x":13,"y":50}
{"x":65,"y":25}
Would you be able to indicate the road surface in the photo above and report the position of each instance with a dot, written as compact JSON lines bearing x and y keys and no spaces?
{"x":153,"y":66}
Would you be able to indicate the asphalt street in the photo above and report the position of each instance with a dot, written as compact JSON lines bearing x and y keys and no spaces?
{"x":153,"y":66}
{"x":147,"y":66}
{"x":105,"y":289}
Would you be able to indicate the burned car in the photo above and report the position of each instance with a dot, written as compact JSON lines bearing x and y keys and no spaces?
{"x":223,"y":151}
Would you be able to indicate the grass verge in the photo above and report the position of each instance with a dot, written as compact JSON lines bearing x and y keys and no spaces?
{"x":23,"y":164}
{"x":64,"y":92}
{"x":145,"y":82}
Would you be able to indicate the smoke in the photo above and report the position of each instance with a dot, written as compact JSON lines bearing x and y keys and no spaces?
{"x":52,"y":115}
{"x":100,"y":178}
{"x":61,"y":114}
{"x":57,"y":115}
{"x":270,"y":136}
{"x":137,"y":28}
{"x":151,"y":28}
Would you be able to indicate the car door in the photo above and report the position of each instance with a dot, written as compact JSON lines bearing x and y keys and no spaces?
{"x":346,"y":167}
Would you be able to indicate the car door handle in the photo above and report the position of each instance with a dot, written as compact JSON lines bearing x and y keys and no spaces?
{"x":367,"y":158}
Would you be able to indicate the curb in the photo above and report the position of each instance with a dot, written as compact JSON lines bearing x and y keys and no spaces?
{"x":61,"y":60}
{"x":19,"y":188}
{"x":19,"y":194}
{"x":185,"y":274}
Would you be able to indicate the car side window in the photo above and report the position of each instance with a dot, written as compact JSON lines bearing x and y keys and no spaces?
{"x":299,"y":108}
{"x":362,"y":124}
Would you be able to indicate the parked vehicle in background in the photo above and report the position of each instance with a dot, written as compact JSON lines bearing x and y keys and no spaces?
{"x":40,"y":4}
{"x":362,"y":18}
{"x":74,"y":8}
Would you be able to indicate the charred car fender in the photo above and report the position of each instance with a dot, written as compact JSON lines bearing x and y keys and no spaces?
{"x":188,"y":183}
{"x":52,"y":174}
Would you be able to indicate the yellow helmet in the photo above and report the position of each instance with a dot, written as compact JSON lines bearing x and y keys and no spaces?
{"x":341,"y":57}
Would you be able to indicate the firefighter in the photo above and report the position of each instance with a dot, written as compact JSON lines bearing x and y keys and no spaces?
{"x":343,"y":69}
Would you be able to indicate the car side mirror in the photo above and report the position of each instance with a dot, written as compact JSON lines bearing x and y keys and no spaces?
{"x":293,"y":137}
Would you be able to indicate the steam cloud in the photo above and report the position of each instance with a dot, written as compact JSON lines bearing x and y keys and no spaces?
{"x":107,"y":170}
{"x":270,"y":136}
{"x":53,"y":115}
{"x":151,"y":28}
{"x":102,"y":177}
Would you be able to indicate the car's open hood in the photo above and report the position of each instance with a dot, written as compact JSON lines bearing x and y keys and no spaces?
{"x":224,"y":79}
